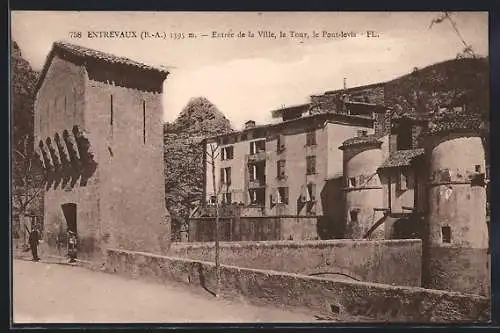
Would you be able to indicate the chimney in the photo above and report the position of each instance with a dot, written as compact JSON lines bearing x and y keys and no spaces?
{"x":250,"y":124}
{"x":345,"y":83}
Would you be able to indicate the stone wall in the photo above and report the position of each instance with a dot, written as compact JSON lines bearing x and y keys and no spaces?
{"x":126,"y":127}
{"x":343,"y":300}
{"x":254,"y":228}
{"x":393,"y":262}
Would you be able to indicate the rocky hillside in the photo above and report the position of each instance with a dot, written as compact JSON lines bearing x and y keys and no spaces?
{"x":457,"y":82}
{"x":184,"y":156}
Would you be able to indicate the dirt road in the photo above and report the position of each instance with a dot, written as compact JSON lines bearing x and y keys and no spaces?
{"x":57,"y":293}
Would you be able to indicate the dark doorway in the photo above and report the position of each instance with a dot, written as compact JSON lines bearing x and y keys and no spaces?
{"x":69,"y":210}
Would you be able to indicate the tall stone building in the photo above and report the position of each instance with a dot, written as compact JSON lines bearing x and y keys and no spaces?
{"x":99,"y":134}
{"x":290,"y":172}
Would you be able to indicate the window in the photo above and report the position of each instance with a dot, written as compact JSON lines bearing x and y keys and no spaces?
{"x":257,"y":196}
{"x":283,"y":195}
{"x":280,"y":143}
{"x":281,"y":169}
{"x":352,"y":182}
{"x":212,"y":200}
{"x":446,"y":234}
{"x":402,"y":181}
{"x":354,"y":215}
{"x":311,"y":165}
{"x":311,"y":190}
{"x":257,"y":146}
{"x":225,"y":176}
{"x":252,"y":170}
{"x":227,"y":153}
{"x":477,"y":168}
{"x":227,"y":198}
{"x":311,"y":138}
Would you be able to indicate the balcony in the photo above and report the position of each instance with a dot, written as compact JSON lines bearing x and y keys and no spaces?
{"x":257,"y":157}
{"x":256,"y":183}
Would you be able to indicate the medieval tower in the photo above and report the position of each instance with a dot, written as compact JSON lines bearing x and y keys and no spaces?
{"x":456,"y":239}
{"x":99,"y":134}
{"x":364,"y":195}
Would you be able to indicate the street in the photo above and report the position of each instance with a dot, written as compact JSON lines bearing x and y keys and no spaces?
{"x":59,"y":293}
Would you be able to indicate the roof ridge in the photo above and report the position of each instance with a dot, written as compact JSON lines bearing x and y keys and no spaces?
{"x":102,"y":55}
{"x":83,"y":52}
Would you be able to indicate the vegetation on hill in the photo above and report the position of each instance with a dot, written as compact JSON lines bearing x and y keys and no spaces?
{"x":184,"y":157}
{"x":23,"y":82}
{"x":26,"y":181}
{"x":452,"y":83}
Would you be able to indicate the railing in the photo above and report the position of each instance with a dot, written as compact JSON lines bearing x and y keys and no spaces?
{"x":257,"y":183}
{"x":257,"y":157}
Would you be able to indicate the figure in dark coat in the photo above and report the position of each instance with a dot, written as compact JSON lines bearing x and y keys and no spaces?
{"x":33,"y":240}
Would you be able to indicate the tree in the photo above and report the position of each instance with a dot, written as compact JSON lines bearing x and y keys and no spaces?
{"x":184,"y":158}
{"x":213,"y":153}
{"x":28,"y":180}
{"x":467,"y":51}
{"x":27,"y":177}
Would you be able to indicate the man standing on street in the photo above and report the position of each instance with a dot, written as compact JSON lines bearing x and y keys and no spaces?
{"x":33,"y":240}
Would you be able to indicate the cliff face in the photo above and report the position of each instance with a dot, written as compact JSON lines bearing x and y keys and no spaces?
{"x":184,"y":157}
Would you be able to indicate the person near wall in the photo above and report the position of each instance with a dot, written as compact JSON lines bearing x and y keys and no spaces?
{"x":72,"y":246}
{"x":33,"y":241}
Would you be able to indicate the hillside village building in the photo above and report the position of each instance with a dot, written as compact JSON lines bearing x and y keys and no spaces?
{"x":99,"y":135}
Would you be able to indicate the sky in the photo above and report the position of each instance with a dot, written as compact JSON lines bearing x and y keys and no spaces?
{"x":248,"y":77}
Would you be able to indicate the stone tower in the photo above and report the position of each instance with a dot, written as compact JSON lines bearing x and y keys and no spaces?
{"x":363,"y":190}
{"x":99,"y":133}
{"x":456,"y":242}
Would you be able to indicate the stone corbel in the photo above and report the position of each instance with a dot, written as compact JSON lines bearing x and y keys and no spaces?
{"x":49,"y":166}
{"x":53,"y":153}
{"x":63,"y":153}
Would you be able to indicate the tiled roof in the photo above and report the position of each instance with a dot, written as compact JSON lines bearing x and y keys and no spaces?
{"x":323,"y":117}
{"x":105,"y":57}
{"x":411,"y":116}
{"x":402,"y":158}
{"x":64,"y":48}
{"x":456,"y":122}
{"x":290,"y":109}
{"x":361,"y":140}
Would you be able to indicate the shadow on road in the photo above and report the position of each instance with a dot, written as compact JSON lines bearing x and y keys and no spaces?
{"x":202,"y":280}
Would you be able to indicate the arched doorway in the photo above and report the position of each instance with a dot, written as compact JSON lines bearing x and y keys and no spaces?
{"x":69,"y":211}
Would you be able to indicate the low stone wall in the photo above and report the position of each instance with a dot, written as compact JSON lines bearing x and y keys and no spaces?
{"x":254,"y":228}
{"x":395,"y":262}
{"x":340,"y":300}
